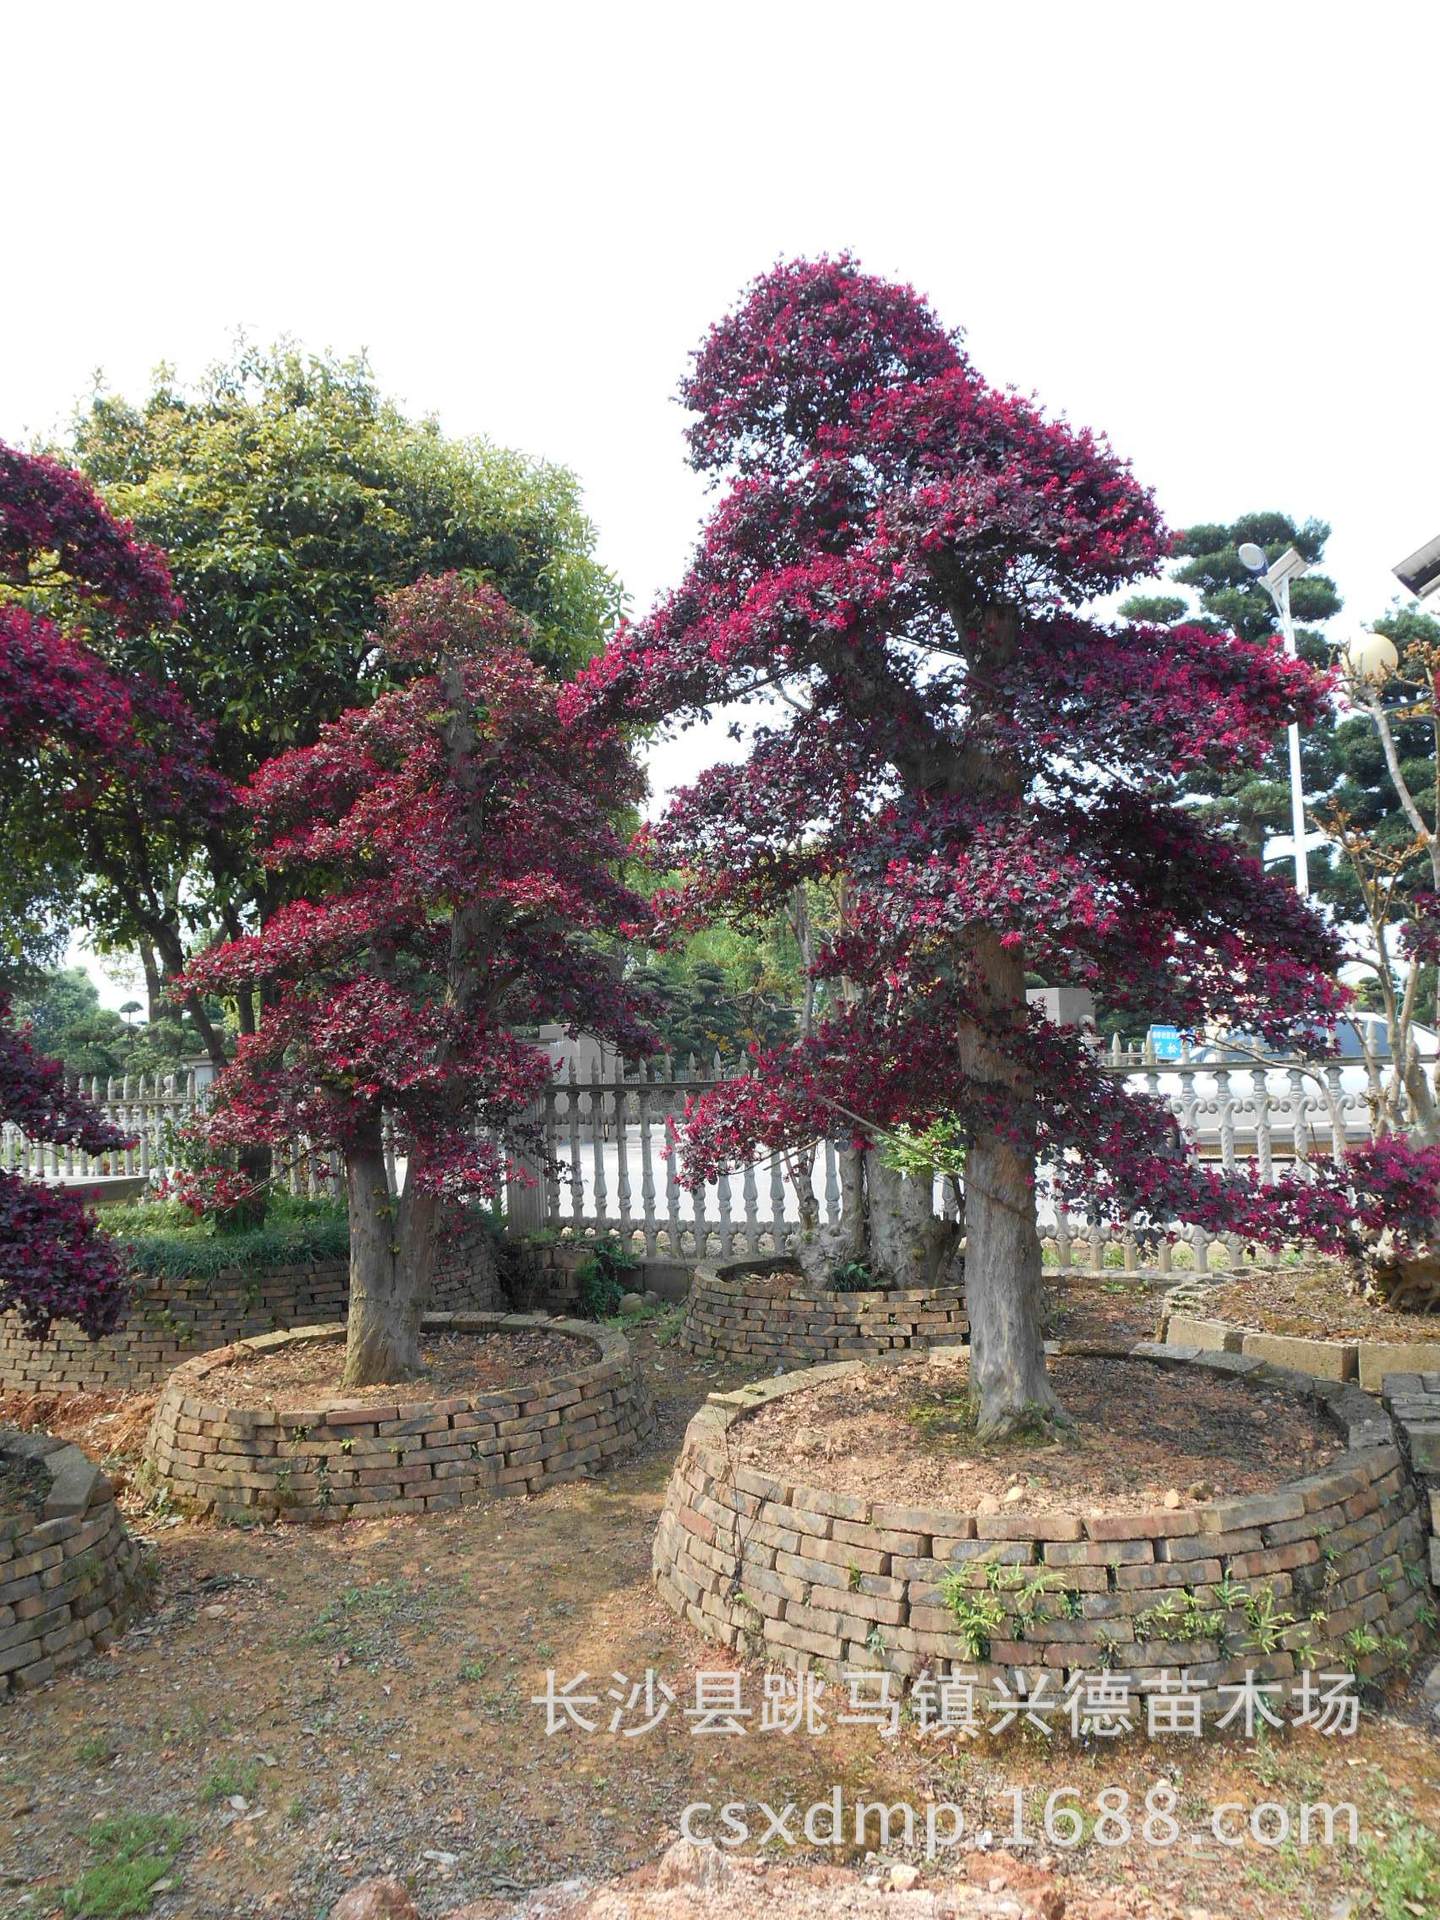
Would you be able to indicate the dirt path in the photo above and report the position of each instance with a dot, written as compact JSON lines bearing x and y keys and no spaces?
{"x":318,"y":1706}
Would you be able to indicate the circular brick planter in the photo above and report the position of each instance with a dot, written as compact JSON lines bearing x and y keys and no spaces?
{"x":170,"y":1319}
{"x":70,"y":1575}
{"x":1185,"y":1322}
{"x":166,"y":1322}
{"x":758,"y":1310}
{"x":798,"y":1575}
{"x":333,"y":1458}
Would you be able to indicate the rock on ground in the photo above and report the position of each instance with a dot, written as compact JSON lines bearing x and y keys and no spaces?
{"x":376,"y":1900}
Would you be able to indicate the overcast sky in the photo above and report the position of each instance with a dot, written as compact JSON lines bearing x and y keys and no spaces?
{"x":1208,"y":232}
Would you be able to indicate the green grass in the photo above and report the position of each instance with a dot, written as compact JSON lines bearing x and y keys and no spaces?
{"x":228,"y":1781}
{"x":1404,"y":1870}
{"x":136,"y":1851}
{"x":365,"y":1622}
{"x":161,"y":1239}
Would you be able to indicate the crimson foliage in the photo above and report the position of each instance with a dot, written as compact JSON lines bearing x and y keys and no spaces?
{"x":104,"y":744}
{"x":457,"y":848}
{"x":902,"y":554}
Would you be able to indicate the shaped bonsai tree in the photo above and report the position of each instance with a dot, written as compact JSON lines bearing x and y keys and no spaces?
{"x":896,"y":570}
{"x":457,"y":847}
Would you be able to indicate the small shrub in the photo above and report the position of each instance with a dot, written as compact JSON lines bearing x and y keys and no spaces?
{"x":600,"y":1278}
{"x":978,"y":1614}
{"x":853,"y":1276}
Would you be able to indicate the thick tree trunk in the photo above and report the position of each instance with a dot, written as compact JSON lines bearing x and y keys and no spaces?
{"x":909,"y":1246}
{"x":392,"y":1259}
{"x":1002,"y":1243}
{"x":821,"y":1249}
{"x":887,"y":1223}
{"x":1003,"y":1292}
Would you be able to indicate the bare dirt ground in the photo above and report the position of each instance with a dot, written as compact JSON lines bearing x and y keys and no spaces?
{"x":906,"y":1434}
{"x":456,"y":1363}
{"x":1116,"y":1307}
{"x":1313,"y":1303}
{"x":319,"y":1706}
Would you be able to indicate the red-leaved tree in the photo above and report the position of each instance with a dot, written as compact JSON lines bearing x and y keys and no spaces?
{"x":99,"y":767}
{"x":896,"y":568}
{"x":53,"y":1264}
{"x":458,"y":848}
{"x":104,"y":746}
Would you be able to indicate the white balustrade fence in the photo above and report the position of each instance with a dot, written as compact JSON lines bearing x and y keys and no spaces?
{"x":609,"y":1171}
{"x":148,"y":1108}
{"x":607,"y":1164}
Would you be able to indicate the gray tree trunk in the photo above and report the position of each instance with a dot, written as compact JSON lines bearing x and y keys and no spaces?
{"x":908,"y":1244}
{"x":1002,"y":1243}
{"x":888,"y":1223}
{"x":823,"y":1248}
{"x":392,"y":1262}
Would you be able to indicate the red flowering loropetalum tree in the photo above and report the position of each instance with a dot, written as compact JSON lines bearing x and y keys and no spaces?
{"x":894,"y":567}
{"x":53,"y":1264}
{"x":458,"y":848}
{"x":100,"y":768}
{"x":112,"y":754}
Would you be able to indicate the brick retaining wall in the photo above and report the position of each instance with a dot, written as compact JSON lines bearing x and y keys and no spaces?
{"x":757,"y":1310}
{"x":1186,"y":1323}
{"x":70,"y":1576}
{"x":1414,"y":1399}
{"x":329,"y":1458}
{"x":172,"y":1319}
{"x":786,"y":1572}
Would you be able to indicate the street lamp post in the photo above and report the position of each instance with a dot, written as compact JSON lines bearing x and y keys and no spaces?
{"x":1275,"y":578}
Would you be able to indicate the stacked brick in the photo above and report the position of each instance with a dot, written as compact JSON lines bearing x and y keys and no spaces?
{"x":756,"y":1310}
{"x":333,"y":1458}
{"x":70,"y":1575}
{"x":805,"y":1577}
{"x":1414,"y":1399}
{"x":167,"y":1322}
{"x":170,"y":1320}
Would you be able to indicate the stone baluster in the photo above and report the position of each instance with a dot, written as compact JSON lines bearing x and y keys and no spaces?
{"x":832,"y":1183}
{"x":1264,"y":1152}
{"x":672,"y":1173}
{"x":725,"y":1232}
{"x":622,"y":1164}
{"x":597,"y":1148}
{"x":750,"y":1200}
{"x":1062,"y":1233}
{"x":576,"y":1175}
{"x":1300,"y":1116}
{"x":1336,"y":1109}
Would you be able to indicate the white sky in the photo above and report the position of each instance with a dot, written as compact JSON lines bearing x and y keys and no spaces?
{"x":1208,"y":232}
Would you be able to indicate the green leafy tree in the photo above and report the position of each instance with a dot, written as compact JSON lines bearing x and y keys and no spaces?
{"x":54,"y":1004}
{"x":70,"y":1025}
{"x":734,"y":985}
{"x":290,"y":494}
{"x":1349,"y":792}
